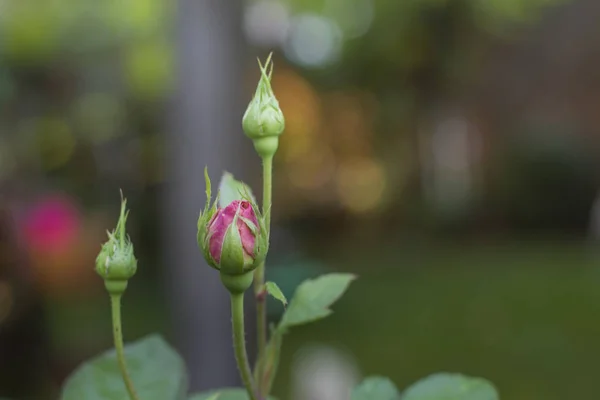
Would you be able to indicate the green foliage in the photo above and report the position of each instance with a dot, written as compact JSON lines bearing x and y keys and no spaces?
{"x":313,"y":297}
{"x":441,"y":386}
{"x":157,"y":371}
{"x":376,"y":388}
{"x":445,"y":386}
{"x":289,"y":274}
{"x":223,"y":394}
{"x":310,"y":302}
{"x":214,"y":396}
{"x":273,"y":290}
{"x":231,"y":189}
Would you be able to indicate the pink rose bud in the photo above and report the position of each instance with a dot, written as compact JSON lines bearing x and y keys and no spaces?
{"x":247,"y":229}
{"x":233,"y":238}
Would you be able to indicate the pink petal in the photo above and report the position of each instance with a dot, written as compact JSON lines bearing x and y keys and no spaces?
{"x":248,"y":238}
{"x":217,"y":227}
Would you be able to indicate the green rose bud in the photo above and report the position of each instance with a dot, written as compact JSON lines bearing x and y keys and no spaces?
{"x":263,"y":120}
{"x":116,"y":262}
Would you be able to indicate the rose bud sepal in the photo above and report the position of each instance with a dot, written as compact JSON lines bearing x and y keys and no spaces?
{"x":204,"y":219}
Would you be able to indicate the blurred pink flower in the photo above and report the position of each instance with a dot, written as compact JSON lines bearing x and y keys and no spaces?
{"x":52,"y":225}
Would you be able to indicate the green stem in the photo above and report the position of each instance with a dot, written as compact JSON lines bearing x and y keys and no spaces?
{"x":267,"y":189}
{"x":271,"y":361}
{"x":261,"y":311}
{"x":259,"y":277}
{"x":239,"y":342}
{"x":115,"y":301}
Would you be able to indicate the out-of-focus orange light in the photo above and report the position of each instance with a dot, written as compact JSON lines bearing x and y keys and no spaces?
{"x":350,"y":122}
{"x":314,"y":170}
{"x":360,"y":184}
{"x":301,"y":106}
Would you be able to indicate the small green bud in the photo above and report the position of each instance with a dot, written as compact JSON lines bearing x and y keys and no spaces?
{"x":263,"y":118}
{"x":116,"y":262}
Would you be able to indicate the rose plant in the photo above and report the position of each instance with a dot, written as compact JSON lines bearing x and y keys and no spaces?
{"x":233,"y":235}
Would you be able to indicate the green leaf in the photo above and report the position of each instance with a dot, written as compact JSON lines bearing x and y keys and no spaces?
{"x":157,"y":371}
{"x":223,"y":394}
{"x":313,"y":298}
{"x":214,"y":396}
{"x":446,"y":386}
{"x":231,"y":189}
{"x":274,"y":291}
{"x":376,"y":388}
{"x":289,"y":274}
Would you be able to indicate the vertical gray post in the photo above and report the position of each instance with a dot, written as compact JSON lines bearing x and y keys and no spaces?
{"x":205,"y":130}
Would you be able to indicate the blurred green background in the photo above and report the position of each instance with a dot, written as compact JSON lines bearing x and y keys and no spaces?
{"x":443,"y":150}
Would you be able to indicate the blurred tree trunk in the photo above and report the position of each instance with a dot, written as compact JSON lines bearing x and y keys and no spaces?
{"x":205,"y":130}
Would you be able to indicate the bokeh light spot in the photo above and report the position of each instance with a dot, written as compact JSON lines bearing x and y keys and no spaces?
{"x":267,"y":23}
{"x":355,"y":21}
{"x":56,"y":142}
{"x":99,"y":116}
{"x":361,"y":184}
{"x":314,"y":41}
{"x":302,"y":108}
{"x":149,"y":68}
{"x":314,"y":170}
{"x":139,"y":16}
{"x":52,"y":225}
{"x":30,"y":30}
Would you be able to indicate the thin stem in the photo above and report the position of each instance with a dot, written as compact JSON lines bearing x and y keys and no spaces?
{"x":239,"y":342}
{"x":271,"y":361}
{"x":261,"y":315}
{"x":115,"y":301}
{"x":267,"y":189}
{"x":259,"y":275}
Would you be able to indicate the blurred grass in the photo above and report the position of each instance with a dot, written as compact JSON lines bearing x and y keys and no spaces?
{"x":526,"y":316}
